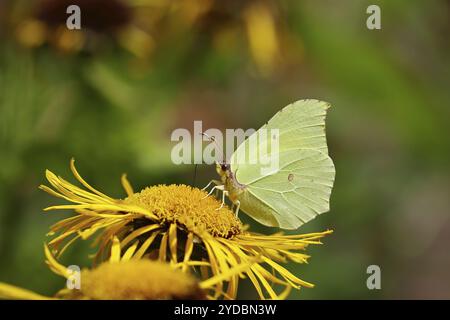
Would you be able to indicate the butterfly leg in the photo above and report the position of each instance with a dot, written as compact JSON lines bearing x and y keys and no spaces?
{"x":237,"y":206}
{"x":224,"y":193}
{"x":207,"y":186}
{"x":220,"y":187}
{"x":216,"y":182}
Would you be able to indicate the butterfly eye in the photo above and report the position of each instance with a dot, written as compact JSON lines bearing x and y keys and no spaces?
{"x":224,"y":167}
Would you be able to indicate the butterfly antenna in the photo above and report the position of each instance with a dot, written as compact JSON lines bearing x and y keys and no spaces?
{"x":215,"y":142}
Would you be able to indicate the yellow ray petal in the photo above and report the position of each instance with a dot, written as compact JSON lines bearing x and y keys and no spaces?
{"x":126,"y":185}
{"x":173,"y":242}
{"x":79,"y":178}
{"x":115,"y":250}
{"x":189,"y":247}
{"x":163,"y":248}
{"x":130,"y":251}
{"x":15,"y":293}
{"x":141,"y":251}
{"x":55,"y":265}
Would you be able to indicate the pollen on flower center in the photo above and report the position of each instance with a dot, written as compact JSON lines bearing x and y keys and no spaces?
{"x":188,"y":207}
{"x":138,"y":279}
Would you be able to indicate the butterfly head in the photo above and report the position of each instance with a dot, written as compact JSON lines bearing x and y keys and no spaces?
{"x":222,"y":168}
{"x":228,"y":178}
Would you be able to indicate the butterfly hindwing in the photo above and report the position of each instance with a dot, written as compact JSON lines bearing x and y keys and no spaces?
{"x":299,"y":191}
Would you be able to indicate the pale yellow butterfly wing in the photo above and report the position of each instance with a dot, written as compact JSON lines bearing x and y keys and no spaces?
{"x":300,"y":187}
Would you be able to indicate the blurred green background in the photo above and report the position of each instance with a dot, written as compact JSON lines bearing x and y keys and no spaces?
{"x":111,"y":94}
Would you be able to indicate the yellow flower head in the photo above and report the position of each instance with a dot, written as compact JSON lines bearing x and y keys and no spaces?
{"x":120,"y":279}
{"x":138,"y":279}
{"x":180,"y":225}
{"x":188,"y":208}
{"x":124,"y":279}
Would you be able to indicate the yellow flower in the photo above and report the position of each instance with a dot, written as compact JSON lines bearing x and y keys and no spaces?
{"x":142,"y":27}
{"x":126,"y":279}
{"x":46,"y":23}
{"x":180,"y":225}
{"x":121,"y":278}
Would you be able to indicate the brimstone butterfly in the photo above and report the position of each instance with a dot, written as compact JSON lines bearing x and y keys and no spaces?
{"x":300,"y":188}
